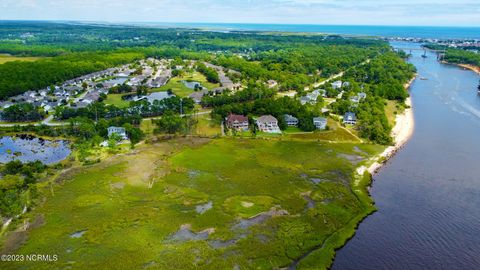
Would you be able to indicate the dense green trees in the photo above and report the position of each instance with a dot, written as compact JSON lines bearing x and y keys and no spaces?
{"x":385,"y":76}
{"x":459,"y":56}
{"x":77,"y":50}
{"x":23,"y":112}
{"x":373,"y":123}
{"x":210,"y":73}
{"x":137,"y":109}
{"x":16,"y":186}
{"x":18,"y":77}
{"x":252,"y":92}
{"x":381,"y":78}
{"x":172,"y":123}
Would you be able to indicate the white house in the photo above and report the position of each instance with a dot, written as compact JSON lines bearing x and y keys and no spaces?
{"x":291,"y":120}
{"x":118,"y":130}
{"x":268,"y":124}
{"x":337,"y":84}
{"x":320,"y":122}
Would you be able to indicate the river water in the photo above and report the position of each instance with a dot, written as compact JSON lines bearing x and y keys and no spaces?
{"x":428,"y":195}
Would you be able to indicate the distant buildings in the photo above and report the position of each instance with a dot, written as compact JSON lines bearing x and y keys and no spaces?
{"x":320,"y":123}
{"x":349,"y":118}
{"x":237,"y":122}
{"x":291,"y":120}
{"x":268,"y":124}
{"x":313,"y":96}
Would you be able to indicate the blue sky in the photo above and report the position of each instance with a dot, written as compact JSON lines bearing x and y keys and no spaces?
{"x":362,"y":12}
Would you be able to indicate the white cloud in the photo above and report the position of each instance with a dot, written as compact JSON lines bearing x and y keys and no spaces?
{"x":385,"y":12}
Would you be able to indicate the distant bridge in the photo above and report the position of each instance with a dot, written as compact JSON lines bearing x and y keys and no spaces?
{"x":418,"y":49}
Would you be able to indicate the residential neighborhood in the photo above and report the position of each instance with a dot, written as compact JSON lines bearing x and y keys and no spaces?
{"x":83,"y":91}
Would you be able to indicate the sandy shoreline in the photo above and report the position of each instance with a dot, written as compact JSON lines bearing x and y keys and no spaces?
{"x":401,"y":133}
{"x":471,"y":67}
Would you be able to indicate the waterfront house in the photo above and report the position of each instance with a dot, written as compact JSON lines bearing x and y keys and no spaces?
{"x":349,"y":118}
{"x":119,"y":131}
{"x":291,"y":120}
{"x":237,"y":122}
{"x":268,"y":124}
{"x":320,"y":122}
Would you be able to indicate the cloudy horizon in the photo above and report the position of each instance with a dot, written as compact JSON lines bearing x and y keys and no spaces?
{"x":331,"y":12}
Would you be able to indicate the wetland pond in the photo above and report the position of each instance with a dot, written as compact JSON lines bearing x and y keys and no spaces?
{"x":28,"y":148}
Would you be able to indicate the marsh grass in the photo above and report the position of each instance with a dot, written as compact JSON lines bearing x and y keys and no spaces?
{"x":129,"y":225}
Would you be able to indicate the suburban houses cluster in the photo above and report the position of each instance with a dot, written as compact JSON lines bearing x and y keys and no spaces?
{"x":82,"y":91}
{"x":269,"y":124}
{"x":225,"y":83}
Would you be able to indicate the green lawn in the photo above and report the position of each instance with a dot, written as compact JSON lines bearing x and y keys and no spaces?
{"x":180,"y":89}
{"x":131,"y":208}
{"x":8,"y":58}
{"x":206,"y":126}
{"x":116,"y":99}
{"x":392,"y":109}
{"x":335,"y":133}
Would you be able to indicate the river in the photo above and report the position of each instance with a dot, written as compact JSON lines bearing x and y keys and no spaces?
{"x":428,"y":195}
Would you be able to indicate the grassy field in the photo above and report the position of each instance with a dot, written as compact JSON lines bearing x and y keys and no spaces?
{"x":201,"y":204}
{"x":335,"y":133}
{"x":206,"y":126}
{"x":391,"y":110}
{"x":180,"y":89}
{"x":116,"y":99}
{"x":8,"y":58}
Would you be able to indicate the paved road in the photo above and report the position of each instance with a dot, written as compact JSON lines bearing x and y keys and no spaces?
{"x":48,"y":121}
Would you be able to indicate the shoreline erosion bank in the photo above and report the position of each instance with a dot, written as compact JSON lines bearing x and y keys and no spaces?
{"x":401,"y":133}
{"x":473,"y":68}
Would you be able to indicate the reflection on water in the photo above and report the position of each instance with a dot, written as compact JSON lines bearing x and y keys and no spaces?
{"x":28,"y":148}
{"x":428,"y":195}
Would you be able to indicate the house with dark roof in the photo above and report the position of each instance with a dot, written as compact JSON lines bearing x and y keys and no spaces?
{"x":237,"y":122}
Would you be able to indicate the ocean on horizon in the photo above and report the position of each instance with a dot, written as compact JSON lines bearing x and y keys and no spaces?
{"x":438,"y":32}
